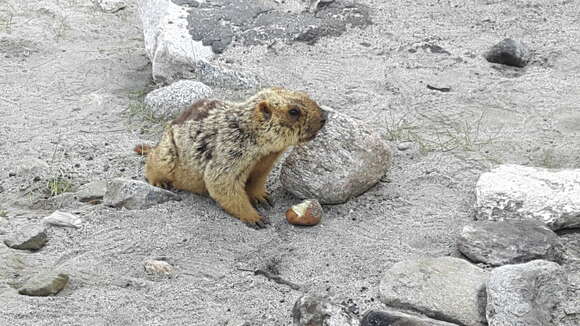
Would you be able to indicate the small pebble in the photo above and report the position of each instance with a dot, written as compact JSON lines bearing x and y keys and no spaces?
{"x":309,"y":212}
{"x":158,"y":267}
{"x":404,"y":146}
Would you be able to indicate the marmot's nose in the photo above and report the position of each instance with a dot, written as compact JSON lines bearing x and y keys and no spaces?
{"x":324,"y":116}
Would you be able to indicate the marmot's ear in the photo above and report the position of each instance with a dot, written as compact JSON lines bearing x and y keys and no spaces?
{"x":264,"y":110}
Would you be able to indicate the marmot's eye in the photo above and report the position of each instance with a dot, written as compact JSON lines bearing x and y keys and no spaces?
{"x":294,"y":112}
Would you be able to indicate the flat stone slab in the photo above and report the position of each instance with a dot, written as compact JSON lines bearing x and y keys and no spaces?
{"x":391,"y":317}
{"x":530,"y":294}
{"x":444,"y":288}
{"x":133,"y":194}
{"x":521,"y":192}
{"x":509,"y":242}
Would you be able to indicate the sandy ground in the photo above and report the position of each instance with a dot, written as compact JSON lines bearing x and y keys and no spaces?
{"x":68,"y":72}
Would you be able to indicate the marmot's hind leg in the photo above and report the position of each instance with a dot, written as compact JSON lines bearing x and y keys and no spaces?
{"x":188,"y":179}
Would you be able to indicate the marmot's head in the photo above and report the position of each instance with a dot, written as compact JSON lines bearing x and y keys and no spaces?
{"x":293,"y":116}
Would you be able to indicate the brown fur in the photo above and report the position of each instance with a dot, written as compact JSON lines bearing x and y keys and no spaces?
{"x":227,"y":150}
{"x":198,"y":111}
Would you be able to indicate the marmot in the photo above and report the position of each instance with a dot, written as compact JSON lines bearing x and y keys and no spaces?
{"x":227,"y":149}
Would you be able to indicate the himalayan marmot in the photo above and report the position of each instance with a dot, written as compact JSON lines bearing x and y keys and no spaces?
{"x":227,"y":149}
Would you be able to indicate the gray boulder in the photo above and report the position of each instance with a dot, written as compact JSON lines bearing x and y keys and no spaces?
{"x":509,"y":242}
{"x":530,"y":294}
{"x":167,"y":102}
{"x":44,"y":284}
{"x":520,"y":192}
{"x":395,"y":318}
{"x":509,"y":52}
{"x":311,"y":310}
{"x":445,"y":288}
{"x":31,"y":237}
{"x":133,"y":194}
{"x":343,"y":161}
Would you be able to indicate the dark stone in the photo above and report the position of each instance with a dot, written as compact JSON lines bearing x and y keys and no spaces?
{"x":509,"y":52}
{"x":256,"y":22}
{"x":509,"y":242}
{"x":28,"y":238}
{"x":44,"y":284}
{"x":440,"y":89}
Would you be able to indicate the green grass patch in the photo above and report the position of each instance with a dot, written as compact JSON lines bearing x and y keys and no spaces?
{"x":439,"y":132}
{"x":57,"y":186}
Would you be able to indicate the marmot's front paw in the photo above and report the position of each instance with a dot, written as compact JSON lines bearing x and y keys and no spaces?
{"x":163,"y":185}
{"x":261,"y":198}
{"x":257,"y":224}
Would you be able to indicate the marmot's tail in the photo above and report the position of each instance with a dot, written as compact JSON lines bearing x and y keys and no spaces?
{"x":142,"y":149}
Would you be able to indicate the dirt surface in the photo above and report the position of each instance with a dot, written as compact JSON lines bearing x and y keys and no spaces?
{"x":71,"y":78}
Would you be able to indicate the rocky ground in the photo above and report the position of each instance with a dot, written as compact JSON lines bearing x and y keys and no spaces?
{"x":74,"y":78}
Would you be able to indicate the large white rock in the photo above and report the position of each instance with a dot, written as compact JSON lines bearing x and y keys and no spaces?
{"x":175,"y":55}
{"x":168,"y":44}
{"x":520,"y":192}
